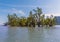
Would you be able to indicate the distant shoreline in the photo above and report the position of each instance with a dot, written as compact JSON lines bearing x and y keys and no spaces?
{"x":28,"y":26}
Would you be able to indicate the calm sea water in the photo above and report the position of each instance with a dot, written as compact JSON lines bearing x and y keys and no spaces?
{"x":26,"y":34}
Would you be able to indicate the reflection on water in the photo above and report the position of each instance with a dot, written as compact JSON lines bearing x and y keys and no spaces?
{"x":26,"y":34}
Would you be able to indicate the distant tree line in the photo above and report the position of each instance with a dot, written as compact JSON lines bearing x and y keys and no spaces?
{"x":33,"y":19}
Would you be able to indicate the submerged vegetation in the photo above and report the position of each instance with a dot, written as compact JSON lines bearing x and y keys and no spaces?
{"x":33,"y":19}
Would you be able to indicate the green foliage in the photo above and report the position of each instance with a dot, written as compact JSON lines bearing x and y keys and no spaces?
{"x":23,"y":21}
{"x":12,"y":20}
{"x":31,"y":20}
{"x":42,"y":20}
{"x":38,"y":12}
{"x":48,"y":21}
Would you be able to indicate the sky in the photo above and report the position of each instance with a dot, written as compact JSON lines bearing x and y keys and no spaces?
{"x":23,"y":7}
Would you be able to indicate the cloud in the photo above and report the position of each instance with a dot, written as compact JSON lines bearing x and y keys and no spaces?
{"x":13,"y":10}
{"x":21,"y":12}
{"x":54,"y":14}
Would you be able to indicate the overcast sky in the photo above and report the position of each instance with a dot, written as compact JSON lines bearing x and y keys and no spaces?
{"x":22,"y":7}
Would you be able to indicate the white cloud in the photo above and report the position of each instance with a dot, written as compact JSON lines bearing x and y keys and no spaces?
{"x":54,"y":14}
{"x":21,"y":12}
{"x":13,"y":10}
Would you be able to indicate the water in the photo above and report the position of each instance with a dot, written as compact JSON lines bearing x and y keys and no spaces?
{"x":26,"y":34}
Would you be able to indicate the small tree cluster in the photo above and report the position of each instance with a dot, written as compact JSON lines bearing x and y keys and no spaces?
{"x":31,"y":20}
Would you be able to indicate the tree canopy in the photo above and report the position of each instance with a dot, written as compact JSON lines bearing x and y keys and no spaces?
{"x":32,"y":20}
